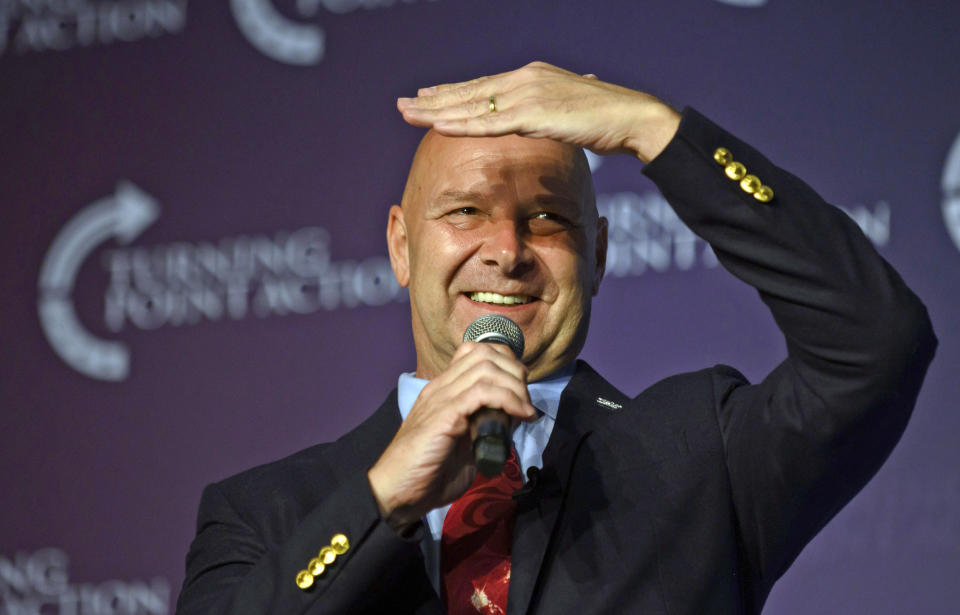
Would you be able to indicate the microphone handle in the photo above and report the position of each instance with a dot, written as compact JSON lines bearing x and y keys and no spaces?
{"x":491,"y":445}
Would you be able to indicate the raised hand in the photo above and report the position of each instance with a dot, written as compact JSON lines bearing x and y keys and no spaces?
{"x":541,"y":100}
{"x":429,"y":463}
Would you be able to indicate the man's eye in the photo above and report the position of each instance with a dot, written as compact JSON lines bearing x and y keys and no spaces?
{"x":463,"y":211}
{"x":545,"y":222}
{"x":467,"y":217}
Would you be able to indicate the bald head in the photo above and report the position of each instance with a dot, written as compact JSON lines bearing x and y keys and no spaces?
{"x":437,"y":154}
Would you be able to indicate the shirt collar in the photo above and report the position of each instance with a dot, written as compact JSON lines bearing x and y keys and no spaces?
{"x":544,"y":394}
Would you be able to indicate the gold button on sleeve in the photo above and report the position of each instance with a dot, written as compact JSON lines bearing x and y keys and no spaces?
{"x":735,"y":170}
{"x":340,"y":544}
{"x":750,"y":184}
{"x":316,"y":566}
{"x":304,"y":579}
{"x":763,"y":194}
{"x":723,"y":156}
{"x":327,"y":555}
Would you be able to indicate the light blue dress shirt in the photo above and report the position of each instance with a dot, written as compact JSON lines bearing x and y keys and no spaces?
{"x":529,"y":440}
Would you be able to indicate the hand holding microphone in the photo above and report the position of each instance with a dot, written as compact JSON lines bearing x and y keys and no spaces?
{"x":491,"y":444}
{"x":431,"y":459}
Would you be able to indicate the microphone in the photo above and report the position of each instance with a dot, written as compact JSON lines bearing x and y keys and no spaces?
{"x":492,"y":442}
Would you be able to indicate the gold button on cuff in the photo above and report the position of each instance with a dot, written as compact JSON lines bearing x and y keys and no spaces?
{"x":735,"y":170}
{"x":750,"y":184}
{"x":763,"y":194}
{"x":340,"y":544}
{"x":723,"y":156}
{"x":304,"y":579}
{"x":318,"y":565}
{"x":327,"y":555}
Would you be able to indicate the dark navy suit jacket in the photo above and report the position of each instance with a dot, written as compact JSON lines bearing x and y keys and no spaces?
{"x":693,"y":498}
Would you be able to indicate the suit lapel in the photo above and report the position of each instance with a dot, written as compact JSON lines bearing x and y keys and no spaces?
{"x":361,"y":447}
{"x":539,"y":508}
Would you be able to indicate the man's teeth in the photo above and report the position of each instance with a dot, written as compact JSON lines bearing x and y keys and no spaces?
{"x":485,"y":297}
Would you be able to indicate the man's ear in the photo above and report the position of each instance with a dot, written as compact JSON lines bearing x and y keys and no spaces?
{"x":600,"y":266}
{"x":397,"y":246}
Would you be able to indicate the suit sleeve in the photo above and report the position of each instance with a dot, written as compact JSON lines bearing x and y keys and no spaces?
{"x":245,"y":558}
{"x":803,"y":441}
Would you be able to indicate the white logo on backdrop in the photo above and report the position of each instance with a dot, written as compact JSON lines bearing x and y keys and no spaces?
{"x":292,"y":41}
{"x":286,"y":273}
{"x":188,"y":283}
{"x":951,"y":192}
{"x":122,"y":216}
{"x":58,"y":25}
{"x":645,"y":234}
{"x":38,"y":582}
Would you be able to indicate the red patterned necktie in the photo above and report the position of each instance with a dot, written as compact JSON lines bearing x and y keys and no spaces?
{"x":475,"y":551}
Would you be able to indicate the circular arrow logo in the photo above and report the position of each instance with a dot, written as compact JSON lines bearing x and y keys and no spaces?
{"x":276,"y":36}
{"x":292,"y":41}
{"x":122,"y":216}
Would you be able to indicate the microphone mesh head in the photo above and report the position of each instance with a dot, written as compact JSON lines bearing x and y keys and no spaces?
{"x":498,"y":330}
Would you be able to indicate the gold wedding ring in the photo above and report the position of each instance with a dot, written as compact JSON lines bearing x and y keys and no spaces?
{"x":493,"y":104}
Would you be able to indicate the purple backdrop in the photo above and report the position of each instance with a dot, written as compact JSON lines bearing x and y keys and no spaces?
{"x":193,"y":269}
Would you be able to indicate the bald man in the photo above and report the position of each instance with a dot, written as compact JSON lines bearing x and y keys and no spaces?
{"x":692,"y":497}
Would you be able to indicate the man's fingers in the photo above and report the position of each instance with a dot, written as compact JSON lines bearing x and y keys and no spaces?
{"x":459,"y":89}
{"x":473,"y":364}
{"x":504,"y":76}
{"x":452,"y":94}
{"x":491,"y":125}
{"x":487,"y":395}
{"x":482,"y":387}
{"x":488,"y":372}
{"x":458,"y":124}
{"x":447,"y":87}
{"x":441,"y":88}
{"x":468,"y":92}
{"x":472,"y":108}
{"x":470,"y":353}
{"x":481,"y":350}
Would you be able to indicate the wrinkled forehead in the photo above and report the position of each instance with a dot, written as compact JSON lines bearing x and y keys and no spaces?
{"x":508,"y":166}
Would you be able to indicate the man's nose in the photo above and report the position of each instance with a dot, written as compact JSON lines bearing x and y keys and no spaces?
{"x":505,"y":247}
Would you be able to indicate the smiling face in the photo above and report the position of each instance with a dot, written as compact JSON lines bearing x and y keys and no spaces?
{"x":502,"y":225}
